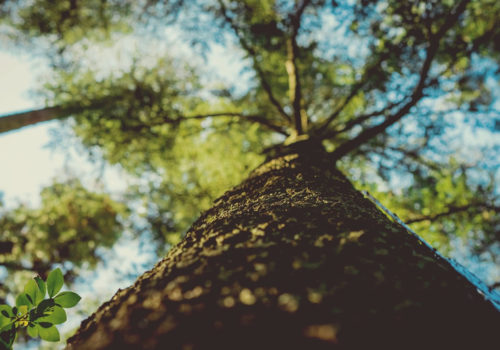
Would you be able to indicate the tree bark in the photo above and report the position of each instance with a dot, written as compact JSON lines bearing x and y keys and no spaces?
{"x":295,"y":257}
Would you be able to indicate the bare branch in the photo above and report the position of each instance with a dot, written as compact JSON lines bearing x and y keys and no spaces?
{"x":454,"y":210}
{"x":260,"y":73}
{"x":413,"y":155}
{"x":355,"y":89}
{"x":253,"y":118}
{"x":417,"y":94}
{"x":295,"y":91}
{"x":360,"y":120}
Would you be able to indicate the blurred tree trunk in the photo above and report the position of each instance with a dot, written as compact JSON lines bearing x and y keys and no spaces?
{"x":295,"y":257}
{"x":22,"y":119}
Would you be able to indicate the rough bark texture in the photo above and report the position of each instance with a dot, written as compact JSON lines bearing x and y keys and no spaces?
{"x":295,"y":257}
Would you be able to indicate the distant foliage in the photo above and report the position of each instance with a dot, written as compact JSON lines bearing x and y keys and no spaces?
{"x":68,"y":226}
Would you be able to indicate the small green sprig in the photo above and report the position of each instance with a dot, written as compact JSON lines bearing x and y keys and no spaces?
{"x":35,"y":312}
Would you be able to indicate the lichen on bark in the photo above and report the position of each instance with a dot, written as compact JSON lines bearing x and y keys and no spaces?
{"x":294,"y":257}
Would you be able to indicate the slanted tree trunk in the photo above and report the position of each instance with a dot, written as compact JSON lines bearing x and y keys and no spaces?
{"x":295,"y":257}
{"x":19,"y":120}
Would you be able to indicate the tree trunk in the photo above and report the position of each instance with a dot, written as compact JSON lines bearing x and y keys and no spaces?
{"x":295,"y":257}
{"x":19,"y":120}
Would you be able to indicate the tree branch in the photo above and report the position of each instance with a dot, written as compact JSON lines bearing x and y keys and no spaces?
{"x":19,"y":120}
{"x":454,"y":210}
{"x":254,"y":118}
{"x":295,"y":92}
{"x":417,"y":94}
{"x":260,"y":73}
{"x":360,"y":120}
{"x":17,"y":266}
{"x":354,"y":91}
{"x":413,"y":155}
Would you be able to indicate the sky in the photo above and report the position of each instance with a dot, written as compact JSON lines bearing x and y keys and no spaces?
{"x":23,"y":157}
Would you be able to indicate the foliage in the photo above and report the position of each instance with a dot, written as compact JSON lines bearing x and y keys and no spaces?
{"x":67,"y":228}
{"x":70,"y":219}
{"x":37,"y":314}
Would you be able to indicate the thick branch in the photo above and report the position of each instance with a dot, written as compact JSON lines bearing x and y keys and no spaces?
{"x":417,"y":94}
{"x":260,"y":73}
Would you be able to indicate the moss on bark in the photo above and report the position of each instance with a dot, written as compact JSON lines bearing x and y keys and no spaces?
{"x":294,"y":257}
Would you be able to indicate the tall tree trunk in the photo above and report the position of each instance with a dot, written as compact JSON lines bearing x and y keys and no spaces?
{"x":295,"y":257}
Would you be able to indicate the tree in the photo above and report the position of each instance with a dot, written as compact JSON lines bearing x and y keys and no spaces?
{"x":378,"y":93}
{"x":67,"y":228}
{"x":295,"y":257}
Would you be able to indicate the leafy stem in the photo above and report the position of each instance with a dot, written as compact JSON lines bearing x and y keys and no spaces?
{"x":33,"y":311}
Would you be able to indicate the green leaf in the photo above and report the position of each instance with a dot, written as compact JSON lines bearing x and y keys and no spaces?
{"x":22,"y":300}
{"x":44,"y":305}
{"x":49,"y":334}
{"x":67,"y":299}
{"x":7,"y":336}
{"x":32,"y":330}
{"x":45,"y":324}
{"x":5,"y":315}
{"x":41,"y":286}
{"x":33,"y":292}
{"x":56,"y":316}
{"x":54,"y":282}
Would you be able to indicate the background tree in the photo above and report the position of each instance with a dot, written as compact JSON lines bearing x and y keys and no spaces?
{"x":390,"y":88}
{"x":66,"y":229}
